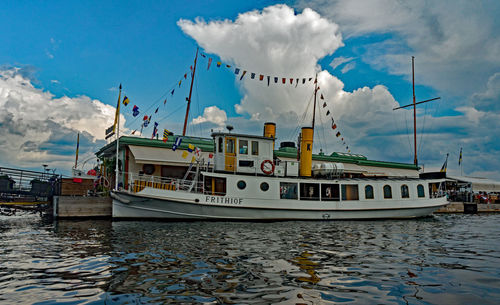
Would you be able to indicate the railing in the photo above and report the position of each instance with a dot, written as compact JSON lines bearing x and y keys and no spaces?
{"x":137,"y":182}
{"x":25,"y":182}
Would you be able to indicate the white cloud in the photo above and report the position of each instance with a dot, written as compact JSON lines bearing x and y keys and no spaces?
{"x":455,"y":43}
{"x":212,"y":115}
{"x":37,"y":127}
{"x":337,"y":61}
{"x":348,"y":67}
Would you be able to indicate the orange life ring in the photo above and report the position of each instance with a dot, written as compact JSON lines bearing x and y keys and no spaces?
{"x":267,"y":171}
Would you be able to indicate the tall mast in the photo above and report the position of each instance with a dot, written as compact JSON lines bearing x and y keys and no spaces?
{"x":190,"y":91}
{"x":315,"y":91}
{"x":117,"y":136}
{"x":415,"y":160}
{"x":414,"y":104}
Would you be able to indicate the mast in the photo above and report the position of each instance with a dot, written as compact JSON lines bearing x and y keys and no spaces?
{"x":77,"y":146}
{"x":314,"y":107}
{"x":117,"y":137}
{"x":414,"y":104}
{"x":190,"y":91}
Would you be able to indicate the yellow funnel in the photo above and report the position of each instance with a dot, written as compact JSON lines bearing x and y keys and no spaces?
{"x":306,"y":146}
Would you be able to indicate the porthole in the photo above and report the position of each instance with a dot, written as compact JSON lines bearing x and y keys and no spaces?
{"x":264,"y":186}
{"x":241,"y":184}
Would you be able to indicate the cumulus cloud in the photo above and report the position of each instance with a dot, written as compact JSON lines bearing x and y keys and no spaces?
{"x":37,"y":127}
{"x":212,"y":115}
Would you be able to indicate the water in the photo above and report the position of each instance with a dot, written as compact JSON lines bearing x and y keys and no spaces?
{"x":445,"y":259}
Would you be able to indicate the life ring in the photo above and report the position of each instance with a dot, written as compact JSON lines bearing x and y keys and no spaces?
{"x":267,"y":171}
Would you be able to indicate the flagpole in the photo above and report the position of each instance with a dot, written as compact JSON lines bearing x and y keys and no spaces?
{"x":117,"y":138}
{"x":77,"y":146}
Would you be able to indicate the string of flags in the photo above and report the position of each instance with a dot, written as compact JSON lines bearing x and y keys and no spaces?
{"x":241,"y":73}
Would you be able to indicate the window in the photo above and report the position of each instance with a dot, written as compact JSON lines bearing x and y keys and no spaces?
{"x":369,"y":192}
{"x":309,"y":191}
{"x":387,"y":191}
{"x":330,"y":192}
{"x":243,"y":147}
{"x":148,"y":169}
{"x":230,"y":146}
{"x":288,"y":190}
{"x":405,"y":193}
{"x":215,"y":186}
{"x":220,"y":145}
{"x":245,"y":163}
{"x":255,"y":148}
{"x":350,"y":192}
{"x":420,"y":191}
{"x":241,"y":184}
{"x":264,"y":186}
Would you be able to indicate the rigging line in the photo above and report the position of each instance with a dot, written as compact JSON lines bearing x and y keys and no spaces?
{"x":304,"y":114}
{"x":322,"y":129}
{"x":168,"y":115}
{"x":408,"y":133}
{"x":396,"y":128}
{"x":432,"y":121}
{"x":422,"y":130}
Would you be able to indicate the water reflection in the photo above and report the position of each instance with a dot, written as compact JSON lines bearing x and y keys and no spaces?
{"x":444,"y":259}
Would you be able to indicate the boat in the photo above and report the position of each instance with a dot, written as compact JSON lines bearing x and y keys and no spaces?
{"x":244,"y":178}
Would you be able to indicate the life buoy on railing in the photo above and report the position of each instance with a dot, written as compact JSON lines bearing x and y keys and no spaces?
{"x":267,"y":169}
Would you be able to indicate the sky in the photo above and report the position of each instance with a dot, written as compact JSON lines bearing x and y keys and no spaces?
{"x":61,"y":63}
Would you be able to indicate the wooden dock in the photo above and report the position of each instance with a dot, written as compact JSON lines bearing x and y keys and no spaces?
{"x":82,"y":207}
{"x":461,"y":207}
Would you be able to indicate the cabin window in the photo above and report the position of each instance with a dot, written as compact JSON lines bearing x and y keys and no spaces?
{"x":369,"y":192}
{"x":288,"y":190}
{"x":405,"y":193}
{"x":309,"y":191}
{"x":350,"y":192}
{"x":229,"y":146}
{"x":148,"y":169}
{"x":245,"y":163}
{"x":330,"y":192}
{"x":255,"y":148}
{"x":420,"y":191}
{"x":243,"y":147}
{"x":215,"y":186}
{"x":241,"y":184}
{"x":220,"y":145}
{"x":264,"y":186}
{"x":387,"y":191}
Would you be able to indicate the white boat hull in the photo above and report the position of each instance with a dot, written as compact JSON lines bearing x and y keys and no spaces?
{"x":191,"y":206}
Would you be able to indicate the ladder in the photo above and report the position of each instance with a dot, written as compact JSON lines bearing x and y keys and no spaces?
{"x":193,"y":169}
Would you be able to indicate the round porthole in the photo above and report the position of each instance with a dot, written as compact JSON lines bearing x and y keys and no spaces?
{"x":264,"y":186}
{"x":241,"y":184}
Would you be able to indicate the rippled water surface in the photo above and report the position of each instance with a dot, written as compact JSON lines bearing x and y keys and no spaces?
{"x":444,"y":259}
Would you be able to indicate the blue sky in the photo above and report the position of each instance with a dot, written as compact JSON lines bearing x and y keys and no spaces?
{"x":65,"y":59}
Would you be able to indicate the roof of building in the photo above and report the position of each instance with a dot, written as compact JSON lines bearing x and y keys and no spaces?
{"x":207,"y":144}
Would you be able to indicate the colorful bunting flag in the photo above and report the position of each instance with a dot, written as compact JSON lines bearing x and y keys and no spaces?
{"x":268,"y":79}
{"x":190,"y":147}
{"x":218,"y":64}
{"x":184,"y":154}
{"x":324,"y":104}
{"x":327,"y":112}
{"x":321,"y":97}
{"x":156,"y":111}
{"x":261,"y":77}
{"x":164,"y":102}
{"x":165,"y":135}
{"x":334,"y":126}
{"x":125,"y":101}
{"x":197,"y":151}
{"x":291,"y":81}
{"x":185,"y":74}
{"x":177,"y":143}
{"x":203,"y":55}
{"x":209,"y":63}
{"x":180,"y":83}
{"x":193,"y":159}
{"x":303,"y":81}
{"x":275,"y":80}
{"x":310,"y":78}
{"x":237,"y":71}
{"x":228,"y":66}
{"x":155,"y":130}
{"x":338,"y":134}
{"x":243,"y":74}
{"x":252,"y":76}
{"x":135,"y":111}
{"x":283,"y":80}
{"x":172,"y":92}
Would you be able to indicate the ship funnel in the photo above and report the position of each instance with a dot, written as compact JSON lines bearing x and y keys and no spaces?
{"x":306,"y":145}
{"x":270,"y":131}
